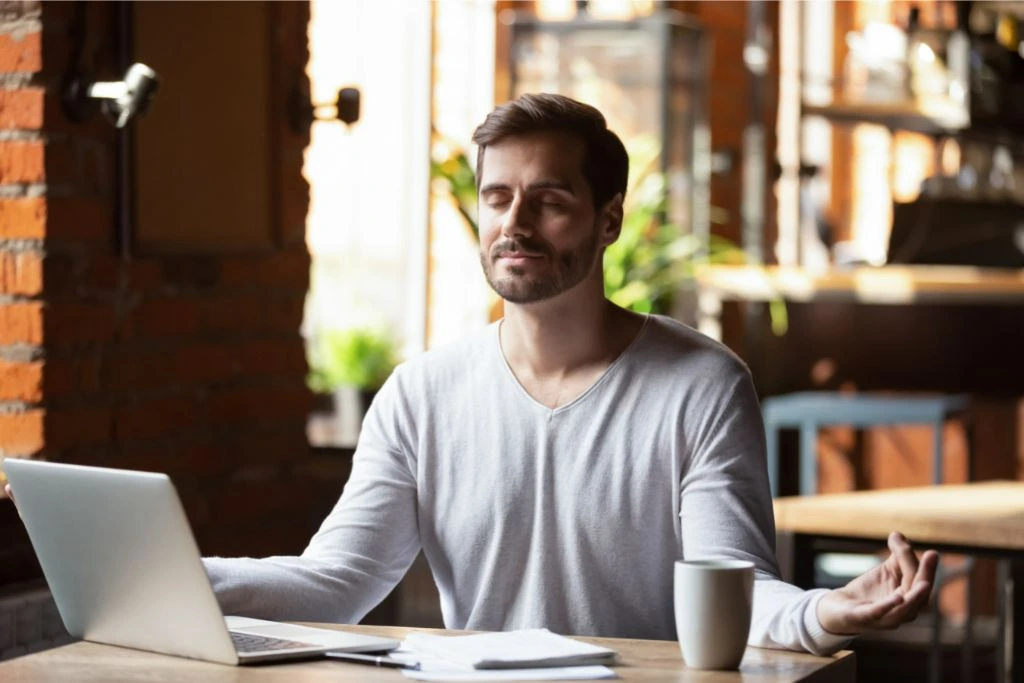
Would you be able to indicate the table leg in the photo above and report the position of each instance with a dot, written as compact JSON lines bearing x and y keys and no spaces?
{"x":1015,"y":620}
{"x":796,"y":559}
{"x":935,"y":646}
{"x":967,"y":653}
{"x":1010,"y":653}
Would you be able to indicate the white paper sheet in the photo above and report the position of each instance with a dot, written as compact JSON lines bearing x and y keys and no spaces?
{"x":561,"y":673}
{"x":455,"y":658}
{"x":521,"y":649}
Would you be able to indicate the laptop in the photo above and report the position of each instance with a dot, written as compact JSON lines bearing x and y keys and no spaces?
{"x":124,"y":569}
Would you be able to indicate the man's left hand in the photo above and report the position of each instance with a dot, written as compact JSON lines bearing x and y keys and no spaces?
{"x":884,"y":597}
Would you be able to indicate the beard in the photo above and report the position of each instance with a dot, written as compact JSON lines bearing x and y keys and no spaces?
{"x":565,"y":270}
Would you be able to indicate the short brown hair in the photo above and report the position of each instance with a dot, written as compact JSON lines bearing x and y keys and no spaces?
{"x":605,"y":163}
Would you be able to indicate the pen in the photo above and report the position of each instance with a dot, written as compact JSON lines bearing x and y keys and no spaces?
{"x":373,"y":660}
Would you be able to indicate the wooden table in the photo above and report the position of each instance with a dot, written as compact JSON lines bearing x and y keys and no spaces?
{"x":865,"y":284}
{"x":639,"y":660}
{"x":980,"y":519}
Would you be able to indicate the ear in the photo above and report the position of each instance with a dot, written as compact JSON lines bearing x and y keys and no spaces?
{"x":611,"y":220}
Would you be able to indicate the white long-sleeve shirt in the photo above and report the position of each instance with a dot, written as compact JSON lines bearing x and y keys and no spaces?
{"x":568,"y":518}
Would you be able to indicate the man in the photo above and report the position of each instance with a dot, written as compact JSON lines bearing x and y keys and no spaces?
{"x":554,"y":466}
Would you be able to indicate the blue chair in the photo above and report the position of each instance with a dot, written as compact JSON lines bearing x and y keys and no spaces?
{"x":811,"y":410}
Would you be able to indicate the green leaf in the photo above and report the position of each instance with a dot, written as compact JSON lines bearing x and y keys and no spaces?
{"x":361,"y":358}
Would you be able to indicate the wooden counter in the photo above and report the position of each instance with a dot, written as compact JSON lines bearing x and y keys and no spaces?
{"x":884,"y":285}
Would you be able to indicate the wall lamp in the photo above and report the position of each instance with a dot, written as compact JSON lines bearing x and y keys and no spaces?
{"x":119,"y":100}
{"x":302,"y":112}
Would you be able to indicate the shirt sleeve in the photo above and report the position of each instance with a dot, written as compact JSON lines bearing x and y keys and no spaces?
{"x":361,"y":551}
{"x":726,"y":511}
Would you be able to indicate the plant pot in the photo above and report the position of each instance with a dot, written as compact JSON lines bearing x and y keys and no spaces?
{"x":350,"y":406}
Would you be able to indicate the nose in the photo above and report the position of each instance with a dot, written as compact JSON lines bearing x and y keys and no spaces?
{"x":518,"y":220}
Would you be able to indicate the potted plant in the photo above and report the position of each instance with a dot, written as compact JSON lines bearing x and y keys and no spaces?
{"x":359,"y":359}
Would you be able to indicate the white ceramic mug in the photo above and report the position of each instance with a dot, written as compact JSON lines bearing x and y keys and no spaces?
{"x":713,"y":601}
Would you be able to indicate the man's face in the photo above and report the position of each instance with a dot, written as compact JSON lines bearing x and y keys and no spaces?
{"x":539,"y":234}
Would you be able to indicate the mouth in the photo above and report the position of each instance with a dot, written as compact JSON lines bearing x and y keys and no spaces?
{"x":518,"y":256}
{"x":518,"y":260}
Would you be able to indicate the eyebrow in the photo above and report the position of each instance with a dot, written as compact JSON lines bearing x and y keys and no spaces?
{"x":540,"y":185}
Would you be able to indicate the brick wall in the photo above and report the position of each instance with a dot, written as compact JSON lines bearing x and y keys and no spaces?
{"x":191,"y":365}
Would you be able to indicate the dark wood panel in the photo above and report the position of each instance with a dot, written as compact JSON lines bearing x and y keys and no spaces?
{"x":203,"y":151}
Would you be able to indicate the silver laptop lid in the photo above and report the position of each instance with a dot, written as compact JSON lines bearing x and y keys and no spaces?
{"x":120,"y":559}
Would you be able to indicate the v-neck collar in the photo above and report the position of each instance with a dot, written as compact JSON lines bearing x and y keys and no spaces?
{"x":587,"y":392}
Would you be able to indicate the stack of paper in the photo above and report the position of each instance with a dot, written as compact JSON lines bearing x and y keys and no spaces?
{"x":535,"y":654}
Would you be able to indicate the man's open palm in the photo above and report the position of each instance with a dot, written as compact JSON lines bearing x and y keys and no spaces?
{"x":884,"y":597}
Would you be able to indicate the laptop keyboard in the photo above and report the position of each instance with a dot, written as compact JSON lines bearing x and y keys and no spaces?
{"x":247,"y":642}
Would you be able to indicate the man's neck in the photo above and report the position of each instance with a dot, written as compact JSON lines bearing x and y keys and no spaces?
{"x":577,"y":331}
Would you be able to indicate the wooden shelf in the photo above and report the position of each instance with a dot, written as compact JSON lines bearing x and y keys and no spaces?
{"x":1014,"y":7}
{"x":897,"y":116}
{"x":884,"y":285}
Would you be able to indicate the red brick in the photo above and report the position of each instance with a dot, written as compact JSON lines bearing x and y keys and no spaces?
{"x":87,"y":220}
{"x":75,"y":376}
{"x":78,"y":426}
{"x":264,"y":499}
{"x":21,"y":323}
{"x":21,"y":381}
{"x":104,"y":271}
{"x":22,"y":108}
{"x":259,"y":534}
{"x":107,"y":271}
{"x":21,"y":53}
{"x":197,"y":459}
{"x":21,"y":11}
{"x":205,"y":363}
{"x":133,"y":372}
{"x":81,"y":165}
{"x":290,"y":269}
{"x":21,"y":433}
{"x":239,"y":270}
{"x":233,"y":314}
{"x":260,"y":404}
{"x":194,"y":272}
{"x":191,"y":458}
{"x":282,"y":314}
{"x":164,"y":318}
{"x":21,"y":161}
{"x":156,"y":418}
{"x":274,"y":357}
{"x":21,"y":273}
{"x":69,"y":323}
{"x":293,"y":193}
{"x":62,"y":273}
{"x":23,"y":218}
{"x":252,"y":447}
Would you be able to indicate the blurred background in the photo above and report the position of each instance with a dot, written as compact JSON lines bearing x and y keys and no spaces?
{"x":208,"y":267}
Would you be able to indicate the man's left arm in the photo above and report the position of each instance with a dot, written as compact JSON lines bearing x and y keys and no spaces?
{"x":726,"y":511}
